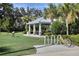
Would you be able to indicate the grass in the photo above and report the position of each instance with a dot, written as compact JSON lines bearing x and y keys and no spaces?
{"x":75,"y":39}
{"x":18,"y":45}
{"x":22,"y":45}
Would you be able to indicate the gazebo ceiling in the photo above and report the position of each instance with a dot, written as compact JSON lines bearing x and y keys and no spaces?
{"x":40,"y":20}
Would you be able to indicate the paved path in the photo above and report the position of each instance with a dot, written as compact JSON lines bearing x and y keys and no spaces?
{"x":57,"y":50}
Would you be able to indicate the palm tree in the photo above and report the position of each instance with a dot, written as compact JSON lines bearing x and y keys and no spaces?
{"x":69,"y":14}
{"x":51,"y":12}
{"x":67,"y":11}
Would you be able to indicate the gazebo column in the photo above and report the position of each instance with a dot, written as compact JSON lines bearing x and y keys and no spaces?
{"x":26,"y":27}
{"x":34,"y":29}
{"x":39,"y":28}
{"x":29,"y":28}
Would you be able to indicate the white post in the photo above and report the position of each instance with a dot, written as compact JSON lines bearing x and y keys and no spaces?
{"x":57,"y":39}
{"x":54,"y":40}
{"x":44,"y":40}
{"x":34,"y":29}
{"x":39,"y":28}
{"x":48,"y":40}
{"x":26,"y":27}
{"x":29,"y":28}
{"x":51,"y":39}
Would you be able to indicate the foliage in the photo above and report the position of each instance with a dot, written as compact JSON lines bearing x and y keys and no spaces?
{"x":58,"y":28}
{"x":16,"y":18}
{"x":51,"y":12}
{"x":6,"y":24}
{"x":75,"y":39}
{"x":7,"y":16}
{"x":66,"y":36}
{"x":47,"y":32}
{"x":68,"y":12}
{"x":74,"y":27}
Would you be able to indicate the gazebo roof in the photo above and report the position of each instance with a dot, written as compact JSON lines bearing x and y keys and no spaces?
{"x":40,"y":20}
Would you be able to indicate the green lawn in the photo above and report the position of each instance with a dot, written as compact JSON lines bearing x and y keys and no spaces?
{"x":75,"y":39}
{"x":18,"y":45}
{"x":22,"y":45}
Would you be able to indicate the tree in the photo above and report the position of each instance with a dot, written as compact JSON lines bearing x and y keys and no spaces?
{"x":67,"y":11}
{"x":56,"y":27}
{"x":22,"y":11}
{"x":17,"y":12}
{"x":69,"y":14}
{"x":6,"y":12}
{"x":6,"y":24}
{"x":51,"y":12}
{"x":32,"y":14}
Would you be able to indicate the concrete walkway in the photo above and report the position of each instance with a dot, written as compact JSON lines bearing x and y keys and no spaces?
{"x":56,"y":50}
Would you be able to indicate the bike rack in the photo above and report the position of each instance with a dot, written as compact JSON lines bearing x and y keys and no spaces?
{"x":52,"y":40}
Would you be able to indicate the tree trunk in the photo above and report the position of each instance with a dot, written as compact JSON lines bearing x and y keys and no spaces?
{"x":67,"y":31}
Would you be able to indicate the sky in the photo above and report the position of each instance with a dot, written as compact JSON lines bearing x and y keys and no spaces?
{"x":40,"y":6}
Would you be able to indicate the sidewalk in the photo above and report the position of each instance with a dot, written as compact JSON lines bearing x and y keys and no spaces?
{"x":56,"y":50}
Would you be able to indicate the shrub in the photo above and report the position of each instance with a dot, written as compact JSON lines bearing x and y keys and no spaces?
{"x":74,"y":39}
{"x":48,"y":32}
{"x":58,"y":28}
{"x":24,"y":32}
{"x":66,"y":36}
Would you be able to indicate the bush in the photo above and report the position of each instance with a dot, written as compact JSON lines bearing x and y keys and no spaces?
{"x":66,"y":36}
{"x":24,"y":32}
{"x":74,"y":39}
{"x":74,"y":28}
{"x":48,"y":32}
{"x":57,"y":27}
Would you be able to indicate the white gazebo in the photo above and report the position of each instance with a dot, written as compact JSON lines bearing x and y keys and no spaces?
{"x":39,"y":22}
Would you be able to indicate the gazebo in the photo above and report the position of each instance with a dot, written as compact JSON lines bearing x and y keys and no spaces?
{"x":39,"y":21}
